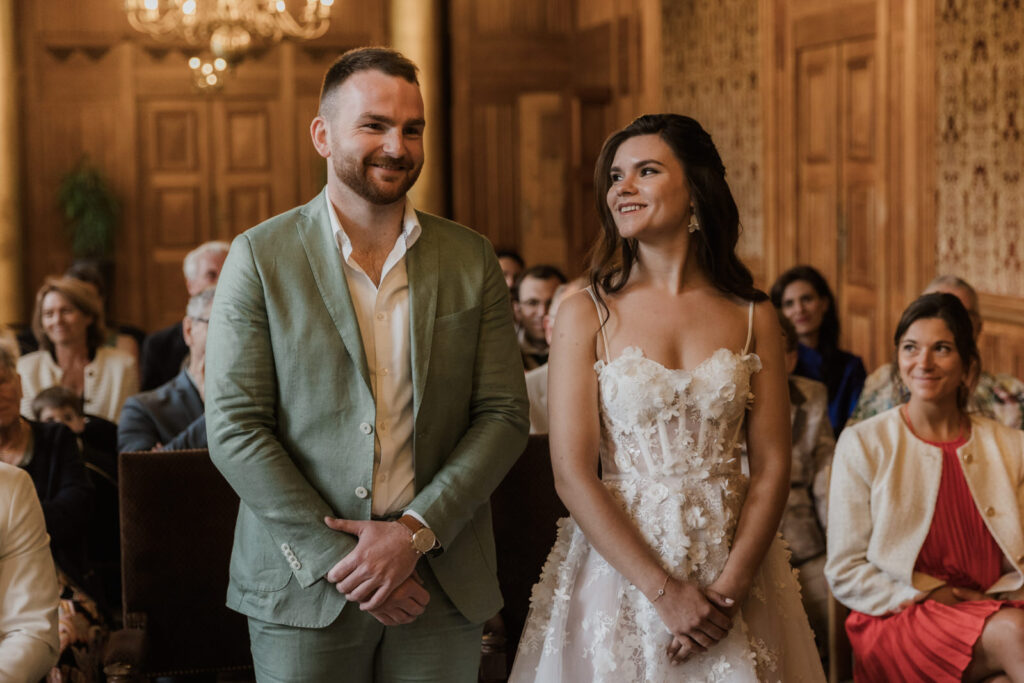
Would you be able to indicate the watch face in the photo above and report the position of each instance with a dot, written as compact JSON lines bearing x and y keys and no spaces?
{"x":423,"y":540}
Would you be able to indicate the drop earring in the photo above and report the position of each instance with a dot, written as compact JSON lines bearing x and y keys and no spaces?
{"x":693,"y":226}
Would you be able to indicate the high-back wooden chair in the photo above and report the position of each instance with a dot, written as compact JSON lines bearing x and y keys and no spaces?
{"x":177,"y":525}
{"x":526,"y":509}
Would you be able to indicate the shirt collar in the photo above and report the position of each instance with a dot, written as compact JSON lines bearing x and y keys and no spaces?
{"x":410,"y":227}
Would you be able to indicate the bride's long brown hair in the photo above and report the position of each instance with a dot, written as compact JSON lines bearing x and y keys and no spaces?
{"x":612,"y":257}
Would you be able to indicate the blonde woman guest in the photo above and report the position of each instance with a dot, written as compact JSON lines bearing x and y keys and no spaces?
{"x":68,"y":323}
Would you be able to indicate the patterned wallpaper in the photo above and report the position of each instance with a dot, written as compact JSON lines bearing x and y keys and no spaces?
{"x":980,"y":153}
{"x":710,"y":72}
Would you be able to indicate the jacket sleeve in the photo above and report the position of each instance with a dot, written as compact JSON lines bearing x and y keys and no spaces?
{"x":499,"y":419}
{"x":241,"y":417}
{"x":135,"y":428}
{"x":28,"y":586}
{"x":193,"y":436}
{"x":855,"y":581}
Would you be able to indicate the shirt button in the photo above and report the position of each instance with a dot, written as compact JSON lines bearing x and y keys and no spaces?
{"x":361,"y":492}
{"x":381,"y":316}
{"x":968,"y":457}
{"x":990,"y":511}
{"x":366,"y":428}
{"x":385,"y":372}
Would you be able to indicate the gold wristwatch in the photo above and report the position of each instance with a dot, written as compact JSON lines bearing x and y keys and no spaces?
{"x":423,"y":539}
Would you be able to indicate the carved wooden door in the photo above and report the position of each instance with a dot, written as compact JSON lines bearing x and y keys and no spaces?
{"x":832,"y":180}
{"x":208,"y":173}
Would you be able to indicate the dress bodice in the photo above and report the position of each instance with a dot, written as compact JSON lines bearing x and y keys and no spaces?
{"x":657,"y":422}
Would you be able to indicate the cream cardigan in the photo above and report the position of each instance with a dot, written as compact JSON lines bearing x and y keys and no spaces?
{"x":110,"y":378}
{"x":882,"y":496}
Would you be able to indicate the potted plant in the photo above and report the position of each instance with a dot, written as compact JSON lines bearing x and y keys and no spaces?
{"x":91,"y":211}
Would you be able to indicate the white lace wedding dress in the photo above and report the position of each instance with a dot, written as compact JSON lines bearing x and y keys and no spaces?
{"x":670,"y":457}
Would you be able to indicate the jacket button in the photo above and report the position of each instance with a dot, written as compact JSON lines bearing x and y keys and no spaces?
{"x":989,"y":511}
{"x":361,"y":492}
{"x":285,"y":548}
{"x":366,"y":428}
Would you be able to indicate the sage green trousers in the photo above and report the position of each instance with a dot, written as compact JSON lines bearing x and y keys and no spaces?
{"x":441,"y":646}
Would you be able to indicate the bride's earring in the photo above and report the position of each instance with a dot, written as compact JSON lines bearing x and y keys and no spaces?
{"x":693,"y":225}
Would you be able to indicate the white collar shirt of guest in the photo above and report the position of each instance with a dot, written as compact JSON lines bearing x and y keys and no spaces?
{"x":383,"y":316}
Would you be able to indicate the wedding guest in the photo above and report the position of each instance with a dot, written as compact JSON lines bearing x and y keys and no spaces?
{"x":803,"y":296}
{"x":171,"y":416}
{"x":512,"y":265}
{"x":123,"y":337}
{"x":999,"y":397}
{"x":537,"y":379}
{"x":803,"y":522}
{"x":925,"y":527}
{"x":68,"y":323}
{"x":164,"y":351}
{"x":28,"y":580}
{"x":534,"y":291}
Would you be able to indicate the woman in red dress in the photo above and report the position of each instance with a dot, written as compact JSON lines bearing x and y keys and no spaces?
{"x":925,"y":530}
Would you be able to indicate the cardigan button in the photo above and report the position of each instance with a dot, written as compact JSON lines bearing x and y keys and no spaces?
{"x":989,"y":511}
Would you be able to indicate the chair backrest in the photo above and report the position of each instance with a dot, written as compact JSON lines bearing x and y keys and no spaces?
{"x":525,"y":509}
{"x":177,"y":525}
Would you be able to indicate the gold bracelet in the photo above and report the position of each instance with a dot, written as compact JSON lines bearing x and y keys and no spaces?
{"x":661,"y":591}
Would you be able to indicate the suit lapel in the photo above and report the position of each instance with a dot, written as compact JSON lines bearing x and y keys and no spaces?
{"x":422,"y":265}
{"x":325,"y":262}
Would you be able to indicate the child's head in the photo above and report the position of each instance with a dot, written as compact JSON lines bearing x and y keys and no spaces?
{"x":58,"y":404}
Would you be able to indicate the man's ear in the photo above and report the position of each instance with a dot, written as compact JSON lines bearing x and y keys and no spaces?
{"x":186,"y":330}
{"x":318,"y":131}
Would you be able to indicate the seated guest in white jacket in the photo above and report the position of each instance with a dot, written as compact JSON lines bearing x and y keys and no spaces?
{"x":171,"y":416}
{"x":68,"y":323}
{"x":28,"y":583}
{"x":925,"y":519}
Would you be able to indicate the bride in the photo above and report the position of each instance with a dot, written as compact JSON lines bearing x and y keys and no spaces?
{"x":668,"y":568}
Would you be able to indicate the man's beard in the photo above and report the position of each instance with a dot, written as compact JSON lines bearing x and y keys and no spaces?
{"x":356,"y":176}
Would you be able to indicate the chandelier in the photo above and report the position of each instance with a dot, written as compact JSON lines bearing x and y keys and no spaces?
{"x":227,"y":29}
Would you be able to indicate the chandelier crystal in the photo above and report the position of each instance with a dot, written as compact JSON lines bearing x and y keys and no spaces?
{"x":227,"y":28}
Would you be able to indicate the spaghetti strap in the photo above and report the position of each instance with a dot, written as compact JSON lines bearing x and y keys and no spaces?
{"x":750,"y":328}
{"x":604,"y":336}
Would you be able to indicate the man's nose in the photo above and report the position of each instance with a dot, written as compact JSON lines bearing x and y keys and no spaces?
{"x":394,"y":142}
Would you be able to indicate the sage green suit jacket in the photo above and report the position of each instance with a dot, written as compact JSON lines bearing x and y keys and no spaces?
{"x":289,"y":405}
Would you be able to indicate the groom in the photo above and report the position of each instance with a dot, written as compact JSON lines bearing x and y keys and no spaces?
{"x":364,"y":396}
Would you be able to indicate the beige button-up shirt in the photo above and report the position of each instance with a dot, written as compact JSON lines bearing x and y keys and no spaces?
{"x":383,"y":316}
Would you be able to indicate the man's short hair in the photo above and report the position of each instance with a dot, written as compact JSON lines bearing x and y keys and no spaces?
{"x":57,"y":397}
{"x":191,"y":264}
{"x":200,"y":303}
{"x":953,"y":282}
{"x":542,"y":272}
{"x":512,"y":254}
{"x":383,"y":59}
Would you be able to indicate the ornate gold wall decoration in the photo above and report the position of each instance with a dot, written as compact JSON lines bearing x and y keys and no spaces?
{"x":980,"y":155}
